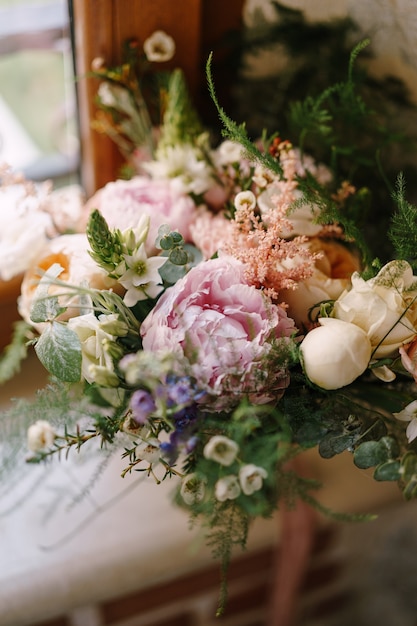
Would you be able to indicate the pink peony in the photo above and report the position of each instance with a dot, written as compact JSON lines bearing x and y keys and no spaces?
{"x":123,"y":202}
{"x":224,"y":328}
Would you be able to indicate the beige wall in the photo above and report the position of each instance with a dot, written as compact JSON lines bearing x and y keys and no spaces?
{"x":391,"y":25}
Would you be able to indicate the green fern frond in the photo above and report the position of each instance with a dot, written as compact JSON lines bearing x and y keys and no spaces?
{"x":238,"y":133}
{"x":13,"y":354}
{"x":403,"y":230}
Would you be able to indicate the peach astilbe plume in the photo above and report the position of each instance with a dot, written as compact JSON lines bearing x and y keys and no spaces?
{"x":272,"y":262}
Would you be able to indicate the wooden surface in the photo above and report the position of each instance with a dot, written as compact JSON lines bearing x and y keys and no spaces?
{"x":101,"y":27}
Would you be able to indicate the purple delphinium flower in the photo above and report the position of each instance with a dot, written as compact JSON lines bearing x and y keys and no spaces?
{"x":183,"y":437}
{"x":142,"y":405}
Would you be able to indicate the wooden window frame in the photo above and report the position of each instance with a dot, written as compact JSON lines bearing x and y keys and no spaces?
{"x":99,"y":29}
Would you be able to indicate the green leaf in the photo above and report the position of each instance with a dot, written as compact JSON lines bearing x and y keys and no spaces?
{"x":388,"y":471}
{"x":335,"y":443}
{"x":59,"y":351}
{"x":371,"y":453}
{"x":46,"y":308}
{"x":178,"y":256}
{"x":368,"y":454}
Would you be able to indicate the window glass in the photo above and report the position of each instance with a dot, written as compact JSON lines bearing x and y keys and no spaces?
{"x":38,"y":130}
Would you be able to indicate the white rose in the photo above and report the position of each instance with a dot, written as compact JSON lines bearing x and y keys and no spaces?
{"x":71,"y":253}
{"x":385,"y":307}
{"x":335,"y":353}
{"x":331,"y":276}
{"x":40,"y":436}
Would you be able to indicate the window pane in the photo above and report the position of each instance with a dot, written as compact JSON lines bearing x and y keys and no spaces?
{"x":38,"y":130}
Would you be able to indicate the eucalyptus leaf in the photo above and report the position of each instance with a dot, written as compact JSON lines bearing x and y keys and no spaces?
{"x":368,"y":454}
{"x":372,"y":453}
{"x":335,"y":443}
{"x":409,"y":466}
{"x":45,"y":307}
{"x":178,"y":256}
{"x":171,"y":273}
{"x":388,"y":471}
{"x":59,"y":351}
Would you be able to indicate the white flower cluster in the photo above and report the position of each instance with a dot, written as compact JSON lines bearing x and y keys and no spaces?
{"x":224,"y":451}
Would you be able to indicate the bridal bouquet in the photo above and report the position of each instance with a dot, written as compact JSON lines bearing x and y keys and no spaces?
{"x":218,"y":313}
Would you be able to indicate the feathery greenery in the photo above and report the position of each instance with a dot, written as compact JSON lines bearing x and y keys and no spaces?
{"x":403,"y":231}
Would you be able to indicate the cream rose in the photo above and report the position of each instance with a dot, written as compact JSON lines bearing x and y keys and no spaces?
{"x":330,"y":278}
{"x":71,"y":253}
{"x":335,"y":353}
{"x":385,"y":307}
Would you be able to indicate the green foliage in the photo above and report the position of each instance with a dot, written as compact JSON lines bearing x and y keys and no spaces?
{"x":59,"y":351}
{"x":228,"y":528}
{"x":181,"y":256}
{"x":13,"y":354}
{"x":180,"y":120}
{"x":106,"y":245}
{"x":238,"y":133}
{"x":403,"y":231}
{"x":46,"y":308}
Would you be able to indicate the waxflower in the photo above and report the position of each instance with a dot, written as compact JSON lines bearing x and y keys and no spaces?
{"x":221,"y":449}
{"x":40,"y":436}
{"x":251,"y":478}
{"x":193,"y":489}
{"x":159,"y":47}
{"x":409,"y":414}
{"x":245,"y":199}
{"x":335,"y":353}
{"x":149,"y":450}
{"x":227,"y":488}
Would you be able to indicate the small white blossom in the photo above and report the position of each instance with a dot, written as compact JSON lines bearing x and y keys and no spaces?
{"x":40,"y":436}
{"x":159,"y":47}
{"x":192,"y":489}
{"x":221,"y":449}
{"x":409,"y":414}
{"x":141,"y":278}
{"x":227,"y":488}
{"x":245,"y":199}
{"x":251,"y":478}
{"x":149,"y":451}
{"x":184,"y":165}
{"x":229,"y":152}
{"x":93,"y":341}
